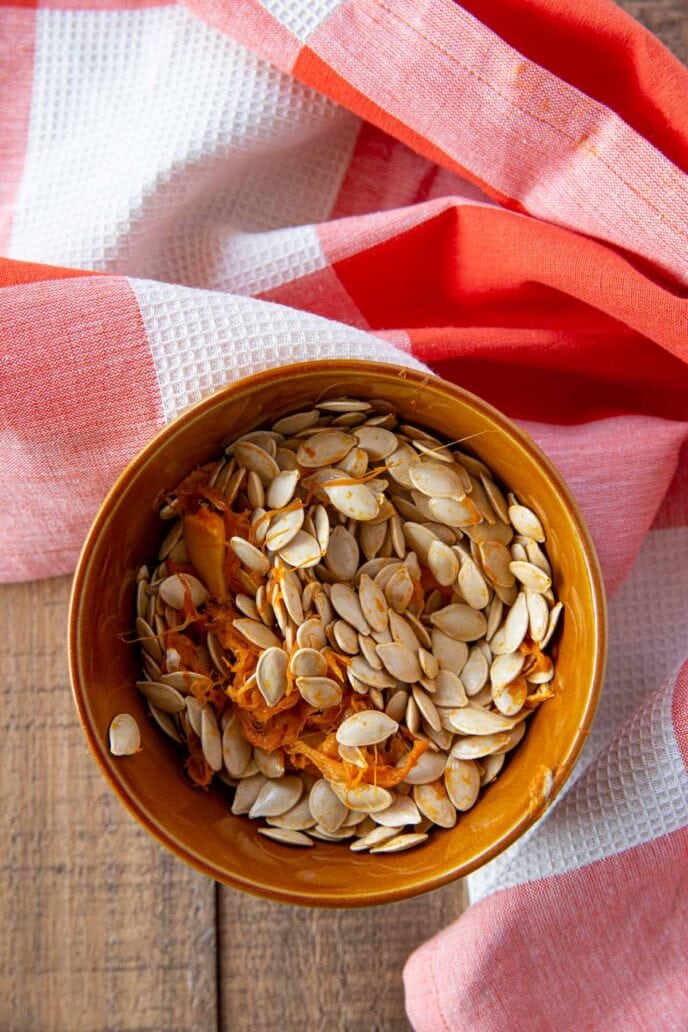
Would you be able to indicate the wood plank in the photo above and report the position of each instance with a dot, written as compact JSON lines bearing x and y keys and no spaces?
{"x":102,"y":928}
{"x":322,"y":970}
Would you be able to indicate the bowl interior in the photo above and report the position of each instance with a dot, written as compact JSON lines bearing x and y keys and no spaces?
{"x":198,"y":825}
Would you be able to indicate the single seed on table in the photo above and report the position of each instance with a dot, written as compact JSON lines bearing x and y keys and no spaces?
{"x":236,"y":751}
{"x":509,"y":698}
{"x":450,"y":690}
{"x":249,"y":555}
{"x":211,"y":743}
{"x":369,"y":727}
{"x":473,"y":747}
{"x":427,"y":708}
{"x":429,"y":767}
{"x":311,"y":634}
{"x":308,"y":663}
{"x":369,"y":652}
{"x":257,"y":633}
{"x":252,"y":457}
{"x":471,"y":720}
{"x":320,"y":692}
{"x":400,"y":589}
{"x":166,"y":698}
{"x":246,"y":793}
{"x":175,"y":589}
{"x":286,"y":836}
{"x":289,"y":425}
{"x":443,"y":563}
{"x":125,"y":737}
{"x":462,"y":782}
{"x":434,"y":803}
{"x":283,"y":528}
{"x":475,"y":671}
{"x":343,"y":554}
{"x":399,"y":843}
{"x":460,"y":621}
{"x":276,"y":797}
{"x":327,"y":809}
{"x":271,"y":674}
{"x":376,"y":442}
{"x":400,"y":662}
{"x":396,"y":705}
{"x":373,"y":603}
{"x":436,"y":480}
{"x":346,"y":603}
{"x":363,"y":798}
{"x":531,"y":576}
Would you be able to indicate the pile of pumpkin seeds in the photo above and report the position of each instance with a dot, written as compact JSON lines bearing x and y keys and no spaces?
{"x":376,"y":542}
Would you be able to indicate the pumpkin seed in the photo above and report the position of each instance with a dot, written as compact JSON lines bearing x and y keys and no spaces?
{"x":125,"y":737}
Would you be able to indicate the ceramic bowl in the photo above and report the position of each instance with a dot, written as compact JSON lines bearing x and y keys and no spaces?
{"x":197,"y":826}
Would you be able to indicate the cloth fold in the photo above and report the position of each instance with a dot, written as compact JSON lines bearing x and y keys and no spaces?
{"x":190,"y":192}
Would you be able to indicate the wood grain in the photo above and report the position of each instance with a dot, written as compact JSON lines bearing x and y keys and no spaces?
{"x":104,"y":931}
{"x":102,"y":928}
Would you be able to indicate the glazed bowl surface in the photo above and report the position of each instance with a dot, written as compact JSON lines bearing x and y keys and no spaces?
{"x":198,"y":826}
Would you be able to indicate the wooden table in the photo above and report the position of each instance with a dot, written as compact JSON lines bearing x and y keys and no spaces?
{"x":105,"y":930}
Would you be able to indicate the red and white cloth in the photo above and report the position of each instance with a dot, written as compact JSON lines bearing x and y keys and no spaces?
{"x":190,"y":192}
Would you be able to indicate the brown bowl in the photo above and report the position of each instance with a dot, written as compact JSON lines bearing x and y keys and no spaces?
{"x":197,"y":825}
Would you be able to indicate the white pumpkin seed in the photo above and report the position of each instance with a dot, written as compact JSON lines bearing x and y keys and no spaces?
{"x":399,"y":843}
{"x":443,"y":563}
{"x":363,"y":798}
{"x":320,"y":692}
{"x":271,"y":674}
{"x":462,"y":782}
{"x":283,"y":528}
{"x":327,"y":808}
{"x":460,"y":622}
{"x":531,"y":576}
{"x":427,"y":768}
{"x":434,"y":803}
{"x":450,"y":690}
{"x":124,"y":734}
{"x":368,"y":727}
{"x":174,"y":590}
{"x":246,"y":793}
{"x":276,"y":797}
{"x":163,"y":696}
{"x":211,"y":743}
{"x":472,"y":720}
{"x":286,"y":836}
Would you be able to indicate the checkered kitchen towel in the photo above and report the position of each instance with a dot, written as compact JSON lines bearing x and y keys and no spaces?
{"x":191,"y":192}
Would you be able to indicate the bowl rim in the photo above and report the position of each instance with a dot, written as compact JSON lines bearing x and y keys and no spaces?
{"x":297,"y":896}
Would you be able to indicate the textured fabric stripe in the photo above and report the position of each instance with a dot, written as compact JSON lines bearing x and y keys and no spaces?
{"x":625,"y":67}
{"x":573,"y":162}
{"x":17,"y":42}
{"x":78,"y":398}
{"x":598,"y":949}
{"x":227,"y":337}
